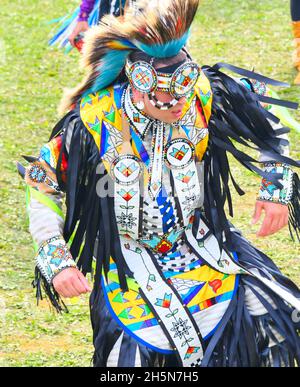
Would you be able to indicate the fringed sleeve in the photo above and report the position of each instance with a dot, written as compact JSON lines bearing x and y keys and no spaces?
{"x":289,"y":193}
{"x":239,"y":119}
{"x":46,"y":218}
{"x":62,"y":162}
{"x":88,"y":231}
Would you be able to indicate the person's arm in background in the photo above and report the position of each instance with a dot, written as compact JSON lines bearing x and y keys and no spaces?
{"x":86,"y":8}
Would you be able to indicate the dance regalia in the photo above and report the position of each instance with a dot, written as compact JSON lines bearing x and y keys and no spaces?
{"x":175,"y":282}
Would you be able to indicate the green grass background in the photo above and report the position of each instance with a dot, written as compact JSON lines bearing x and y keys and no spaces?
{"x":32,"y":77}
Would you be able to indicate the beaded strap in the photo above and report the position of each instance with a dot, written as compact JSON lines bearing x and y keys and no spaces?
{"x":270,"y":192}
{"x":53,"y":257}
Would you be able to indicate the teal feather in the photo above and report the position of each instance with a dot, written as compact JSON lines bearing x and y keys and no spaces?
{"x":114,"y":61}
{"x":109,"y":69}
{"x":166,"y":50}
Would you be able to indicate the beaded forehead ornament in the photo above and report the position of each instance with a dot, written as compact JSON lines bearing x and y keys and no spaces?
{"x":144,"y":78}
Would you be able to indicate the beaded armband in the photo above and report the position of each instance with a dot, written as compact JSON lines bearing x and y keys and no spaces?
{"x":53,"y":257}
{"x":41,"y":176}
{"x":270,"y":192}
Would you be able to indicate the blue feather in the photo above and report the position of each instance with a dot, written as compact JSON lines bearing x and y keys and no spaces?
{"x":114,"y":61}
{"x":167,"y":50}
{"x":111,"y":66}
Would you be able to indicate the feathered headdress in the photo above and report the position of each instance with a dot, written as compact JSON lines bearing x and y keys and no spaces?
{"x":160,"y":29}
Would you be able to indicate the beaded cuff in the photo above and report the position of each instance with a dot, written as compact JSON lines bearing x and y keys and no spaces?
{"x":261,"y":88}
{"x":269,"y":192}
{"x":53,"y":257}
{"x":41,"y":176}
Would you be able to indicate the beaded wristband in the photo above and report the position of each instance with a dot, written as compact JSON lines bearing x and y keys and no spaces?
{"x":261,"y":88}
{"x":270,"y":192}
{"x":53,"y":257}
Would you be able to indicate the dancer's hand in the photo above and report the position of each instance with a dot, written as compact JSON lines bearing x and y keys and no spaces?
{"x":81,"y":26}
{"x":276,"y":217}
{"x":71,"y":283}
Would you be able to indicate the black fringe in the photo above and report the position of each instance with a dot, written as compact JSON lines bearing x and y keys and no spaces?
{"x":250,"y":257}
{"x":54,"y":298}
{"x":237,"y":118}
{"x":243,"y":340}
{"x":90,"y":217}
{"x":294,"y":209}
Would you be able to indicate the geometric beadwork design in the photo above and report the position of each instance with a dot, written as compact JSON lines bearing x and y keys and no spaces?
{"x":179,"y":153}
{"x":143,"y":77}
{"x":184,"y":79}
{"x":126,"y":169}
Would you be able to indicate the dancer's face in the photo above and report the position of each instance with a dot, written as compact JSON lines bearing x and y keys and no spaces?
{"x":169,"y":116}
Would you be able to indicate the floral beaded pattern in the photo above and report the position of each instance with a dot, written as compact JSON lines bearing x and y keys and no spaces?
{"x":53,"y":256}
{"x":270,"y":192}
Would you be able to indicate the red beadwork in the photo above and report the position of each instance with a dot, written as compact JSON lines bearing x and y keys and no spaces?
{"x":215,"y":285}
{"x":164,"y":246}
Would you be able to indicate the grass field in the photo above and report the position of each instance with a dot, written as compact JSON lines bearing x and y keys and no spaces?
{"x":32,"y":76}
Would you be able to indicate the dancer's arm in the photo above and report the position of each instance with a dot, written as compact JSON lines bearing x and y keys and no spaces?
{"x":46,"y":223}
{"x":272,"y":201}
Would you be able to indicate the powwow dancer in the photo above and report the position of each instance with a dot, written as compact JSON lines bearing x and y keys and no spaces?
{"x":141,"y":158}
